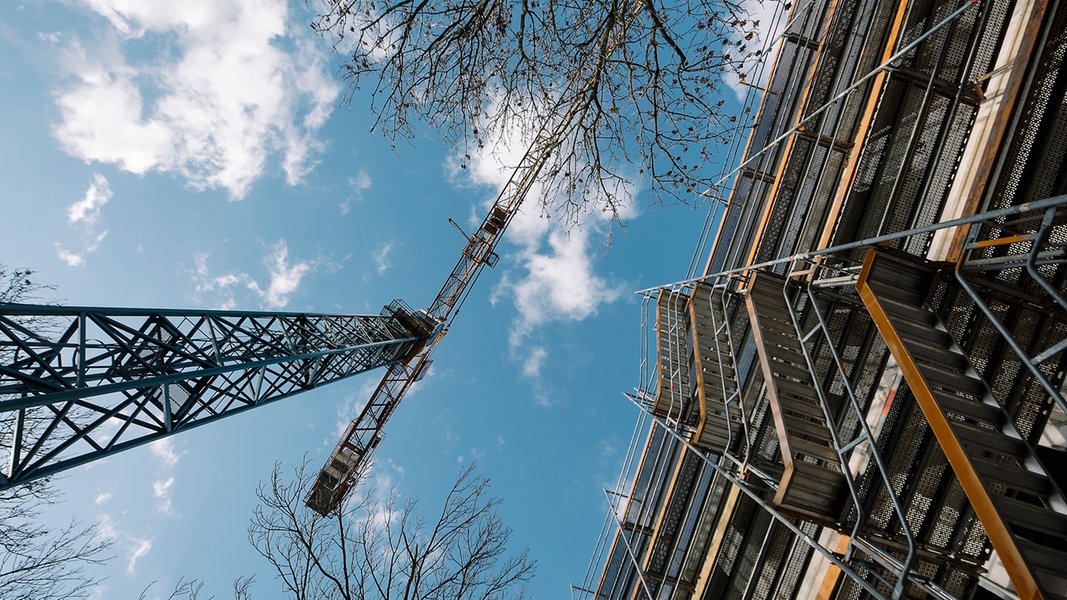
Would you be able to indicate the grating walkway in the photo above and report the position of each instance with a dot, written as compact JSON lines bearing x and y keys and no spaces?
{"x":721,"y":427}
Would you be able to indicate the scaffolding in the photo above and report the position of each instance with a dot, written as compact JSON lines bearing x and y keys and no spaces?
{"x":849,"y":400}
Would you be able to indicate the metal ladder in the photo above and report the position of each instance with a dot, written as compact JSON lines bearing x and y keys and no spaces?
{"x":722,"y":422}
{"x":812,"y":483}
{"x":1020,"y":506}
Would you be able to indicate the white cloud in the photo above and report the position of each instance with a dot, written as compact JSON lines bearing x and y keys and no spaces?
{"x":94,"y":243}
{"x":72,"y":259}
{"x":88,"y":208}
{"x":472,"y":455}
{"x":558,"y":283}
{"x":136,"y":546}
{"x":161,"y":492}
{"x":164,"y":450}
{"x":102,"y":498}
{"x":382,"y":494}
{"x":161,"y":488}
{"x":543,"y":398}
{"x":83,"y":215}
{"x":550,"y":274}
{"x":140,"y":548}
{"x":220,"y":286}
{"x":535,"y":359}
{"x":381,"y":256}
{"x":359,"y":184}
{"x":105,"y":528}
{"x":236,"y":87}
{"x":285,"y":277}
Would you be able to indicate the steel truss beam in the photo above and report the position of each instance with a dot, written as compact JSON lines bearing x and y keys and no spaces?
{"x":78,"y":384}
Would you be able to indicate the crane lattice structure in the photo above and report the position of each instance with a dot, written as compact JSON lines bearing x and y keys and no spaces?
{"x":363,"y":434}
{"x":78,"y":384}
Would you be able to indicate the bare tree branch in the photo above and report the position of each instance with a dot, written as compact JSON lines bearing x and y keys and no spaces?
{"x":379,"y":547}
{"x":36,"y":561}
{"x":645,"y":77}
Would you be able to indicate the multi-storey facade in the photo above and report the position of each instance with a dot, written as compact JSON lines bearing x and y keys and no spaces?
{"x":862,"y":394}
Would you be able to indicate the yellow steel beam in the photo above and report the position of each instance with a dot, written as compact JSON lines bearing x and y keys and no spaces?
{"x":1004,"y":241}
{"x":848,"y":175}
{"x":833,"y":573}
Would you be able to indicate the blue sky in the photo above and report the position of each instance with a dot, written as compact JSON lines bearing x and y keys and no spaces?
{"x":197,"y":154}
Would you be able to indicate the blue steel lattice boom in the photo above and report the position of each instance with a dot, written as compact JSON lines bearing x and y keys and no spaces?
{"x":78,"y":384}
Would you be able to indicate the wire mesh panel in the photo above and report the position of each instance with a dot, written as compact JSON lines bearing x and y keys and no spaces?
{"x":674,"y":514}
{"x":739,"y":550}
{"x":707,"y":517}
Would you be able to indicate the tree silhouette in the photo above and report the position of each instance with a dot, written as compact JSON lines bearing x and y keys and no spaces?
{"x":642,"y":81}
{"x":379,"y":547}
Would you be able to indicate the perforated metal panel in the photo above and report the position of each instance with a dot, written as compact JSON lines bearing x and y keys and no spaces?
{"x":1033,"y":165}
{"x":674,"y":515}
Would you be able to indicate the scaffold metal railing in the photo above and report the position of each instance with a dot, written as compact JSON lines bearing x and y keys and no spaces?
{"x":1026,"y":245}
{"x":812,"y":271}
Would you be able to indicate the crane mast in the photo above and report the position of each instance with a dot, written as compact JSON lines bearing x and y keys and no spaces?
{"x":82,"y":383}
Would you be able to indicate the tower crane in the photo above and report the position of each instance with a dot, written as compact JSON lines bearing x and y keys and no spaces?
{"x":81,"y":383}
{"x":364,"y":433}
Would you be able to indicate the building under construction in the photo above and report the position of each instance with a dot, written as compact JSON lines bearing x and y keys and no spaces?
{"x":861,"y":394}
